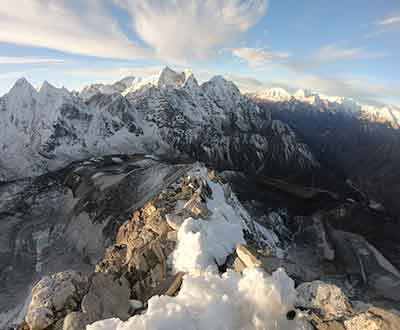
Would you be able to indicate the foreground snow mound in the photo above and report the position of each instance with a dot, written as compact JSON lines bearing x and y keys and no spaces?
{"x":202,"y":244}
{"x":231,"y":301}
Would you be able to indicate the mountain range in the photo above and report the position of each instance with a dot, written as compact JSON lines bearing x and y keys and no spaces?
{"x":389,"y":115}
{"x":170,"y":116}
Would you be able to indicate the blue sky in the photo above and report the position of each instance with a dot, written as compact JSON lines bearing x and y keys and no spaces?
{"x":346,"y":47}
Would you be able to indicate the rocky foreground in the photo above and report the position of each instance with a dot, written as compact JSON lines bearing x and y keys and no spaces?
{"x":193,"y":258}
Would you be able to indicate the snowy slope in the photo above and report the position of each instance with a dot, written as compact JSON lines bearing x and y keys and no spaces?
{"x":120,"y":86}
{"x":170,"y":116}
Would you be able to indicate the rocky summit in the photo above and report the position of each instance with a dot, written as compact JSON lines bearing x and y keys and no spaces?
{"x":163,"y":203}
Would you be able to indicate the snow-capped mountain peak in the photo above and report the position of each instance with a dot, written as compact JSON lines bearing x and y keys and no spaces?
{"x":191,"y":83}
{"x":222,"y":84}
{"x":274,"y":94}
{"x":22,"y":89}
{"x":302,"y":93}
{"x":48,"y":90}
{"x":127,"y":81}
{"x":171,"y":78}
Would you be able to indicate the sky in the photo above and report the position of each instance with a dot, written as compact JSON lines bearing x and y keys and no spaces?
{"x":347,"y":48}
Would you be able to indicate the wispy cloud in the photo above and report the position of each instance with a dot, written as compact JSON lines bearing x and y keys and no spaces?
{"x":390,"y":23}
{"x":29,"y":60}
{"x":183,"y":30}
{"x":334,"y":52}
{"x":108,"y":75}
{"x":264,"y":58}
{"x":86,"y":29}
{"x":169,"y":29}
{"x":258,"y":57}
{"x":305,"y":72}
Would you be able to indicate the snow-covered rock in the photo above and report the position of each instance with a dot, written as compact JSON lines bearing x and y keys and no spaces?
{"x":207,"y":243}
{"x":273,"y":94}
{"x":119,"y":87}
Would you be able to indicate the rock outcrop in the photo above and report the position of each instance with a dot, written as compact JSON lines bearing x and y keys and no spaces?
{"x":54,"y":297}
{"x":327,"y":299}
{"x":134,"y":268}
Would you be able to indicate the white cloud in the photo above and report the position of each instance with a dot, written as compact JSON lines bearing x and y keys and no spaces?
{"x":257,"y":57}
{"x":109,"y":75}
{"x":386,"y":24}
{"x":29,"y":60}
{"x":183,"y":30}
{"x":85,"y":29}
{"x":333,"y":52}
{"x":389,"y":20}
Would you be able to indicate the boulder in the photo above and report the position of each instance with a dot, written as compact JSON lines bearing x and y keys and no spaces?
{"x":76,"y":321}
{"x":39,"y":318}
{"x":374,"y":319}
{"x":54,"y":297}
{"x":320,"y":324}
{"x":107,"y":297}
{"x":328,"y":299}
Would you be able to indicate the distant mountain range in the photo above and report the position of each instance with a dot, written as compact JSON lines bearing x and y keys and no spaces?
{"x":389,"y":115}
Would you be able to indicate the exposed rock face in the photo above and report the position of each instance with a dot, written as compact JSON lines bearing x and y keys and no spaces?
{"x":144,"y":243}
{"x":247,"y":257}
{"x":107,"y":297}
{"x":141,"y":250}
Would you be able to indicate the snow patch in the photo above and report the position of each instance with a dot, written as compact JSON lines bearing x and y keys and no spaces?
{"x":210,"y":302}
